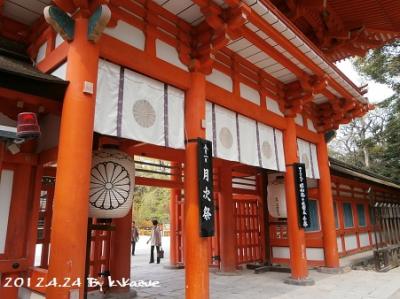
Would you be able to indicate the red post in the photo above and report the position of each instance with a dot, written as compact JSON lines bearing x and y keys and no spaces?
{"x":2,"y":150}
{"x":70,"y":209}
{"x":227,"y":221}
{"x":297,"y":243}
{"x":196,"y":248}
{"x":327,"y":208}
{"x":8,"y":292}
{"x":120,"y":254}
{"x":173,"y":209}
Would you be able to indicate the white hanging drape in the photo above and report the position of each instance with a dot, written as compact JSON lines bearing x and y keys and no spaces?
{"x":142,"y":109}
{"x":226,"y":139}
{"x":248,"y":143}
{"x":136,"y":107}
{"x":308,"y":155}
{"x":238,"y":138}
{"x":133,"y":106}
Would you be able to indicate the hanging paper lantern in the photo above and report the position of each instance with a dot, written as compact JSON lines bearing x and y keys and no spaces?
{"x":276,"y":196}
{"x":112,"y":182}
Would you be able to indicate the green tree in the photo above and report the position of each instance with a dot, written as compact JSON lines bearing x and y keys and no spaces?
{"x":373,"y":142}
{"x":361,"y":142}
{"x":383,"y":66}
{"x":151,"y":202}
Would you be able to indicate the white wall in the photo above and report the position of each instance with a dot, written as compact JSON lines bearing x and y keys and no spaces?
{"x":6,"y":185}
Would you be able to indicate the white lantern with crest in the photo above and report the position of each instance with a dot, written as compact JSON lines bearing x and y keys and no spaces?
{"x":276,"y":196}
{"x":112,"y":182}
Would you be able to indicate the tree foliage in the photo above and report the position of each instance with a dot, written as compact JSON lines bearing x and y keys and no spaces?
{"x":151,"y":202}
{"x":382,"y":65}
{"x":373,"y":142}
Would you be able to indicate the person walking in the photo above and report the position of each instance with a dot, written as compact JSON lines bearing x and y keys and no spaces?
{"x":134,"y":237}
{"x":155,"y":240}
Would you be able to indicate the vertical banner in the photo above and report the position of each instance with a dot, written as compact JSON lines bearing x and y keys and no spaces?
{"x":302,"y":195}
{"x":205,"y":179}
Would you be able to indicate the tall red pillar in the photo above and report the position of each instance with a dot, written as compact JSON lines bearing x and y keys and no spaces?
{"x":120,"y":254}
{"x":8,"y":292}
{"x":70,"y":208}
{"x":226,"y":221}
{"x":327,"y":208}
{"x":196,"y":247}
{"x":297,"y":242}
{"x":173,"y":206}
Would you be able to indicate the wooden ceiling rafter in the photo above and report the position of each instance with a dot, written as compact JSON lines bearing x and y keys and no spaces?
{"x":13,"y":30}
{"x":293,"y":106}
{"x":302,"y":58}
{"x":331,"y":26}
{"x":219,"y":28}
{"x":299,"y":94}
{"x":42,"y":104}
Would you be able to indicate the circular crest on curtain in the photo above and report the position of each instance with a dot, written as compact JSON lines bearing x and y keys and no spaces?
{"x":112,"y":182}
{"x":144,"y":113}
{"x":226,"y":138}
{"x":266,"y":150}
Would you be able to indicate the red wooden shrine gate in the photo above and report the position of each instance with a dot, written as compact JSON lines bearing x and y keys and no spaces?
{"x":249,"y":218}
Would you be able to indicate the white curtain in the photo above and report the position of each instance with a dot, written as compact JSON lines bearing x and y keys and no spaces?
{"x":136,"y":107}
{"x":209,"y":123}
{"x":239,"y":138}
{"x":105,"y":119}
{"x":280,"y":150}
{"x":176,"y":118}
{"x":143,"y":109}
{"x":6,"y":187}
{"x":268,"y":150}
{"x":226,"y":134}
{"x":314,"y":158}
{"x":248,"y":144}
{"x":308,"y":155}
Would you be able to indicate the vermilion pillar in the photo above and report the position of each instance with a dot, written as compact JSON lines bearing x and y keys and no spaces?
{"x":196,"y":248}
{"x":8,"y":292}
{"x":173,"y":206}
{"x":297,"y":243}
{"x":120,"y":254}
{"x":70,"y":208}
{"x":226,"y":221}
{"x":327,"y":208}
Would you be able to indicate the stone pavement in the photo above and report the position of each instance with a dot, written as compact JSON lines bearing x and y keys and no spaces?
{"x":353,"y":285}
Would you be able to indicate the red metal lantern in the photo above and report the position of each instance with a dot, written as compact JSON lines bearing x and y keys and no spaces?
{"x":27,"y":125}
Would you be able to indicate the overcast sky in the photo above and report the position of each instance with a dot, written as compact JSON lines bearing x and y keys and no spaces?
{"x":376,"y":92}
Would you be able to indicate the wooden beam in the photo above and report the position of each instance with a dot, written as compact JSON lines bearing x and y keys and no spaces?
{"x":49,"y":105}
{"x":13,"y":30}
{"x":258,"y":21}
{"x":273,"y":53}
{"x":7,"y":266}
{"x":83,"y":4}
{"x":158,"y":183}
{"x":367,"y":42}
{"x":66,"y":5}
{"x":311,"y":4}
{"x":48,"y":156}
